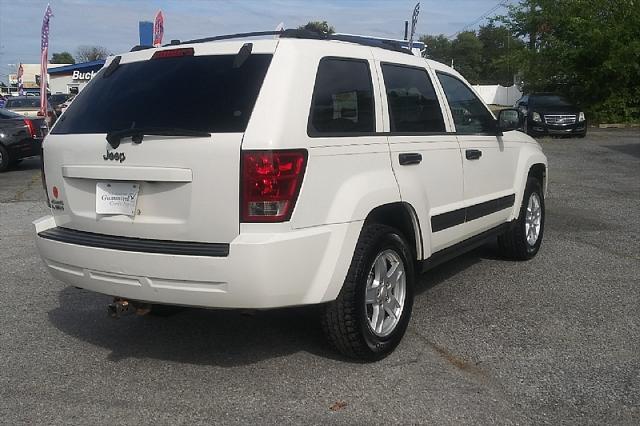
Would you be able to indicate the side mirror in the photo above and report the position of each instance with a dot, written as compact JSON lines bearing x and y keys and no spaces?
{"x":509,"y":119}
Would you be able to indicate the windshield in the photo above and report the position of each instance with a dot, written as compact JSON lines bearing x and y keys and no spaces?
{"x":200,"y":93}
{"x":23,"y":103}
{"x":549,"y":100}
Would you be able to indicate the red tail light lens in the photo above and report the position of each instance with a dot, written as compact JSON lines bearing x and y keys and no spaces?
{"x":31,"y":127}
{"x":270,"y":183}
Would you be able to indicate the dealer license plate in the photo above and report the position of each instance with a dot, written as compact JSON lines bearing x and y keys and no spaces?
{"x":116,"y":198}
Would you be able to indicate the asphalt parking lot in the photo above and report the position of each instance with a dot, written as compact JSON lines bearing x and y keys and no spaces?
{"x":552,"y":340}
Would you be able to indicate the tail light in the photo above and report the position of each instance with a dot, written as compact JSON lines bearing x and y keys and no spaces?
{"x":31,"y":127}
{"x":270,"y":182}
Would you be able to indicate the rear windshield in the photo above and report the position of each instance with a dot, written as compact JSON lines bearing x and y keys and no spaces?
{"x":201,"y":93}
{"x":23,"y":103}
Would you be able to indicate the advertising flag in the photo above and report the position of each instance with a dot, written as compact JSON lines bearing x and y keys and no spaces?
{"x":44,"y":53}
{"x":20,"y":81}
{"x":158,"y":29}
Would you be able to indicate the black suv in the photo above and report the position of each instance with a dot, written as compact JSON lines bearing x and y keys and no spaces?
{"x":551,"y":114}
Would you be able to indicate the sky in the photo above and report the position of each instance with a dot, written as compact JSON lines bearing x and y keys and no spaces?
{"x":114,"y":23}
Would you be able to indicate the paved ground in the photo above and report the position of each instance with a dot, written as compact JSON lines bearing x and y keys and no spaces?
{"x":553,"y":340}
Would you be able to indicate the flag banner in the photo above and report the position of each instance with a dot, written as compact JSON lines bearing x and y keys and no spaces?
{"x":414,"y":21}
{"x":44,"y":54}
{"x":20,"y":80}
{"x":158,"y":29}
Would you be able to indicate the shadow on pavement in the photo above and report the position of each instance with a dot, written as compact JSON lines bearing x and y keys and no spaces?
{"x":225,"y":338}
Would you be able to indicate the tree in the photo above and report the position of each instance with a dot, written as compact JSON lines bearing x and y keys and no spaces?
{"x":321,"y":27}
{"x":91,"y":53}
{"x":587,"y":50}
{"x":62,"y":58}
{"x":499,"y":52}
{"x":466,"y":53}
{"x":437,"y":48}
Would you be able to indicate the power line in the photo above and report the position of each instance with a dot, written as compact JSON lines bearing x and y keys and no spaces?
{"x":502,"y":3}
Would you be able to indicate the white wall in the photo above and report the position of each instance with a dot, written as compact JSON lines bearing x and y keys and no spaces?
{"x":498,"y":95}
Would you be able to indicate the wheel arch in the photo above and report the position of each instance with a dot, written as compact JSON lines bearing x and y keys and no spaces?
{"x":401,"y":216}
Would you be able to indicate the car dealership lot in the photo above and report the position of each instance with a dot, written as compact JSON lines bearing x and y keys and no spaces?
{"x":553,"y":339}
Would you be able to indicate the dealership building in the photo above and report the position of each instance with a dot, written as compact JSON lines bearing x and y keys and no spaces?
{"x":73,"y":78}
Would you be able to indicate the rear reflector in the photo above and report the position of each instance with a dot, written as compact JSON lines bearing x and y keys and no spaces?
{"x":173,"y":53}
{"x":270,"y":183}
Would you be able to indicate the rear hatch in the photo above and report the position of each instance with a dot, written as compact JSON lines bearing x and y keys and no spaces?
{"x":175,"y":122}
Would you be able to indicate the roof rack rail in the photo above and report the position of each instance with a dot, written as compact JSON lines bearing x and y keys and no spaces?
{"x":393,"y":45}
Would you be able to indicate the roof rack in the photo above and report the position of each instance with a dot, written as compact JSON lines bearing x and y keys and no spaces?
{"x":386,"y":44}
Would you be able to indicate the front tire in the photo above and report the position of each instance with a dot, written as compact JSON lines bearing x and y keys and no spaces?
{"x":372,"y":311}
{"x":523,"y":241}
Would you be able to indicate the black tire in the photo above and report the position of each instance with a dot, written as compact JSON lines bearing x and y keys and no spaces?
{"x":5,"y":160}
{"x":513,"y":244}
{"x":345,"y":320}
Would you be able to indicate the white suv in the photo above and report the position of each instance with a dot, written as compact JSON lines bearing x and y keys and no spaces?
{"x":283,"y":172}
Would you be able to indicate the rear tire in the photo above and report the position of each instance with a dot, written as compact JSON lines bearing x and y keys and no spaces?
{"x":5,"y":160}
{"x":523,"y":240}
{"x":372,"y":311}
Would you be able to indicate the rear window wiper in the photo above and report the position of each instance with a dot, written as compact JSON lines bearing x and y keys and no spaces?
{"x":137,"y":134}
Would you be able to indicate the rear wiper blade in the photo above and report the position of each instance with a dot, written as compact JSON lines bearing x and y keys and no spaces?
{"x":137,"y":134}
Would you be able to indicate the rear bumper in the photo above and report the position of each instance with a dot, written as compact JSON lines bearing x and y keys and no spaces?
{"x":261,"y":271}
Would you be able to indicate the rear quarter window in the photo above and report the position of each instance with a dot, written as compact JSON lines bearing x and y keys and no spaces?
{"x":342,"y":101}
{"x":201,"y":93}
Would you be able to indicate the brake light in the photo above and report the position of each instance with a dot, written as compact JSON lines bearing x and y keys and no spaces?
{"x":270,"y":182}
{"x":31,"y":127}
{"x":173,"y":53}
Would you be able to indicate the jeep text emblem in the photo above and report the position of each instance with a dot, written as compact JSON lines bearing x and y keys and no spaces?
{"x":114,"y":156}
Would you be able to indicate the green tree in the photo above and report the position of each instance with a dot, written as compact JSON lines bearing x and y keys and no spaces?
{"x":321,"y":27}
{"x":437,"y":48}
{"x":62,"y":58}
{"x":588,"y":50}
{"x":500,"y":50}
{"x":466,"y":54}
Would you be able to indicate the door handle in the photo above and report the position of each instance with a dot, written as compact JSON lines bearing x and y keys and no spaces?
{"x":473,"y":154}
{"x":410,"y":158}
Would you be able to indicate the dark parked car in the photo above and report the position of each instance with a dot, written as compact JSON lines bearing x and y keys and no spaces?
{"x":551,"y":114}
{"x":20,"y":137}
{"x":56,"y":100}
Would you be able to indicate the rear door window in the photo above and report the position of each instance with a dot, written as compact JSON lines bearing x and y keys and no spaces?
{"x":469,"y":113}
{"x":413,"y":104}
{"x":201,"y":93}
{"x":342,"y":98}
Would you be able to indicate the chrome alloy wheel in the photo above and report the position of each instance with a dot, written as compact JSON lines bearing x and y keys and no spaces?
{"x":385,"y":293}
{"x":533,"y":219}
